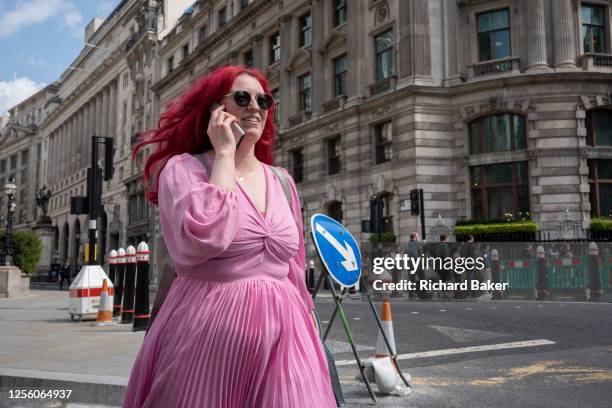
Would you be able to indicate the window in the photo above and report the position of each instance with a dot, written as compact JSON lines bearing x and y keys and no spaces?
{"x":600,"y":181}
{"x":222,"y":16}
{"x":297,"y":164}
{"x":276,"y":96}
{"x":496,"y":133}
{"x":340,"y":9}
{"x":304,"y":88}
{"x":593,"y":28}
{"x":305,"y":30}
{"x":500,"y":191}
{"x":24,"y":159}
{"x":493,"y":35}
{"x":248,"y":58}
{"x":340,"y":75}
{"x":13,"y":162}
{"x":185,"y":50}
{"x":385,"y":55}
{"x":3,"y":167}
{"x":203,"y":33}
{"x":274,"y":47}
{"x":170,"y":64}
{"x":383,"y":220}
{"x":333,"y":155}
{"x":599,"y":127}
{"x":334,"y":210}
{"x":384,"y":148}
{"x":126,"y":80}
{"x":243,"y":4}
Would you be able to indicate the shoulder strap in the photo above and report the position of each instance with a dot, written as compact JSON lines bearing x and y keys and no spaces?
{"x":205,"y":163}
{"x":276,"y":170}
{"x":284,"y":182}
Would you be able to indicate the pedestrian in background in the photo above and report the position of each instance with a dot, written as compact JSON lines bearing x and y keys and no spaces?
{"x":415,"y":250}
{"x":236,"y":326}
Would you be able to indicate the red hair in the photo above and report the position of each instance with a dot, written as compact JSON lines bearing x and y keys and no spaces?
{"x":182,"y":127}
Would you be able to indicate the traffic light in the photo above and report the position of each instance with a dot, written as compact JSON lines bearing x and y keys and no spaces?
{"x":376,"y":212}
{"x":415,"y":208}
{"x":109,"y":152}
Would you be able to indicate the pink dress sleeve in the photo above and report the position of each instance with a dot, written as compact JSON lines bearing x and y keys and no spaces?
{"x":198,"y":219}
{"x":297,"y":264}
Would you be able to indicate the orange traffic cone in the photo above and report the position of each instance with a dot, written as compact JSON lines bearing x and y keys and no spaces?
{"x":105,"y":312}
{"x":387,"y":324}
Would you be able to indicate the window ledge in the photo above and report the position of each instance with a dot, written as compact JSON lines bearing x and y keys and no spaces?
{"x":505,"y":66}
{"x":336,"y":103}
{"x":384,"y":85}
{"x":299,"y":119}
{"x":592,"y":61}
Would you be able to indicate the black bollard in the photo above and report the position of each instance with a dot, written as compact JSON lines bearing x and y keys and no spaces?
{"x":112,"y":259}
{"x":120,"y":272}
{"x":542,"y":278}
{"x":127,"y":311}
{"x":141,"y":308}
{"x":496,"y":274}
{"x":594,"y":279}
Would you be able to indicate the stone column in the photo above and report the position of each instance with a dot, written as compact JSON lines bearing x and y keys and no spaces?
{"x":285,"y":75}
{"x":317,"y":68}
{"x":90,"y":130}
{"x":105,"y":111}
{"x":62,"y":151}
{"x":112,"y":130}
{"x":357,"y":75}
{"x":563,"y":34}
{"x":258,"y":51}
{"x":80,"y":137}
{"x":415,"y":58}
{"x":100,"y":114}
{"x":51,"y":159}
{"x":536,"y":34}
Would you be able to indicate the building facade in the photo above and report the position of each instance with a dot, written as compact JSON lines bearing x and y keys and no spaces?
{"x":497,"y":109}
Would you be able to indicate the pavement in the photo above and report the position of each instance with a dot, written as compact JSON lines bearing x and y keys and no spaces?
{"x":459,"y":354}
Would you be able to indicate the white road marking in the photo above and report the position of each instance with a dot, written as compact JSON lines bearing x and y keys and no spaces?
{"x":356,"y":318}
{"x":442,"y":310}
{"x":473,"y":349}
{"x":468,"y":308}
{"x":414,"y":312}
{"x":467,"y":335}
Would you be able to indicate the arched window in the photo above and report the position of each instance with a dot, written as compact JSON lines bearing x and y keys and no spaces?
{"x":497,"y":133}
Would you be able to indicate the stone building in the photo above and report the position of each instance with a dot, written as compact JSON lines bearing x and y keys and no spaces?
{"x":497,"y":109}
{"x":104,"y":92}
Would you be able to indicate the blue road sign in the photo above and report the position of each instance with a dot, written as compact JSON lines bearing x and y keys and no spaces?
{"x":337,"y":248}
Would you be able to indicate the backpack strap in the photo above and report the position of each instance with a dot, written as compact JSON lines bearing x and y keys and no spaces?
{"x":204,"y":162}
{"x":284,"y":182}
{"x":276,"y":170}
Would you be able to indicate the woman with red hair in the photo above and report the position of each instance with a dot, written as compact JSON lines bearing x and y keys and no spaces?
{"x":235,"y":329}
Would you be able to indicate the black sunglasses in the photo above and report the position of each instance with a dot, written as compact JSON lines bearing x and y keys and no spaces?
{"x":243,"y":99}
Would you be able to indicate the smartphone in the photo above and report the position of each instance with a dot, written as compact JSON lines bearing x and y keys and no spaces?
{"x":235,"y":126}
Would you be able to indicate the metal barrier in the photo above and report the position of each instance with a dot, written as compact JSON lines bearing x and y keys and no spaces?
{"x":520,"y":274}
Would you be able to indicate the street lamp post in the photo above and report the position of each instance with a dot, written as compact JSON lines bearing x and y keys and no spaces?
{"x":7,"y":250}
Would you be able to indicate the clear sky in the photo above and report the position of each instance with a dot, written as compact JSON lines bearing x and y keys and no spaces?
{"x":39,"y":39}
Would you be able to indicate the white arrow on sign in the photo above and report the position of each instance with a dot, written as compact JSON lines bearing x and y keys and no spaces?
{"x":349,"y":263}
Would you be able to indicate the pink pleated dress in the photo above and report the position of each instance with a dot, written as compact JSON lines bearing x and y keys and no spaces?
{"x":235,"y":329}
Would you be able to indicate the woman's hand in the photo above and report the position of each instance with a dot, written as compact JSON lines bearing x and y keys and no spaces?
{"x":220,"y":131}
